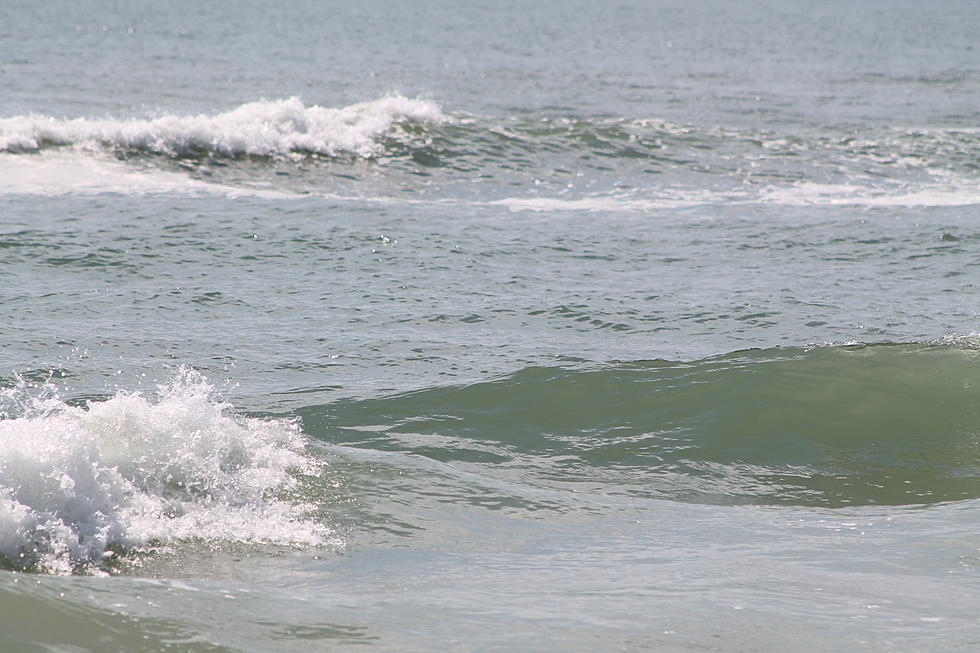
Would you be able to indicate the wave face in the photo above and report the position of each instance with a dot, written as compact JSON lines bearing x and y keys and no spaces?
{"x":262,"y":128}
{"x":830,"y":426}
{"x":80,"y":485}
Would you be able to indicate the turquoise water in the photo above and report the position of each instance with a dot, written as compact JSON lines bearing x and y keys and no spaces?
{"x":551,"y":326}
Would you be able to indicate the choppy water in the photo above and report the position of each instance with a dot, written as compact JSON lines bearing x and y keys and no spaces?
{"x":550,"y":326}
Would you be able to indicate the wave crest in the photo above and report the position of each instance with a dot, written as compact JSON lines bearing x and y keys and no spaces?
{"x":263,"y":128}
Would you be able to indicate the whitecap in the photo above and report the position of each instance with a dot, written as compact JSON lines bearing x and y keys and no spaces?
{"x":266,"y":127}
{"x":132,"y":473}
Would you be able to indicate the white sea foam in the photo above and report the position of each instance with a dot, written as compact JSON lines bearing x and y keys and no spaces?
{"x":130,"y":473}
{"x":263,"y":128}
{"x":64,"y":172}
{"x":949,"y":193}
{"x":608,"y":202}
{"x":953,"y":193}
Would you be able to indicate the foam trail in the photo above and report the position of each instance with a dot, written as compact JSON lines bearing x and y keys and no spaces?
{"x":609,"y":202}
{"x":65,"y":172}
{"x":257,"y":128}
{"x":78,"y":484}
{"x":957,"y":193}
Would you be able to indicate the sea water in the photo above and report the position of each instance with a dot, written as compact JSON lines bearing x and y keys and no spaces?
{"x":511,"y":327}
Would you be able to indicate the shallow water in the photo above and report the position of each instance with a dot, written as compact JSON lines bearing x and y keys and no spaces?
{"x":534,"y":327}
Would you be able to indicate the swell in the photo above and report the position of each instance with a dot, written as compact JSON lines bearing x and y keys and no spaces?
{"x":890,"y":424}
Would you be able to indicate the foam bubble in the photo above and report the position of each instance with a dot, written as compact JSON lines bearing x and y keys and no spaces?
{"x":78,"y":484}
{"x":257,"y":128}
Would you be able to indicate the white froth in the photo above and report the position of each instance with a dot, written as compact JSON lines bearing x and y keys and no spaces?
{"x":70,"y":172}
{"x":131,"y":473}
{"x":608,"y":202}
{"x":257,"y":128}
{"x":956,"y":192}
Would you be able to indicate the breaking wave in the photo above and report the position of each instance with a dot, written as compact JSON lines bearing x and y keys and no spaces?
{"x":81,"y":485}
{"x":530,"y":161}
{"x":261,"y":128}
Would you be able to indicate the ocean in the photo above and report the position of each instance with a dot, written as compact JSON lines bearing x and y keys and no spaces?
{"x":649,"y":325}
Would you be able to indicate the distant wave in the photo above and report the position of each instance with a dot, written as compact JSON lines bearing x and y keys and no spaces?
{"x":79,"y":487}
{"x":419,"y":129}
{"x":531,"y":161}
{"x":831,"y":426}
{"x":258,"y":128}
